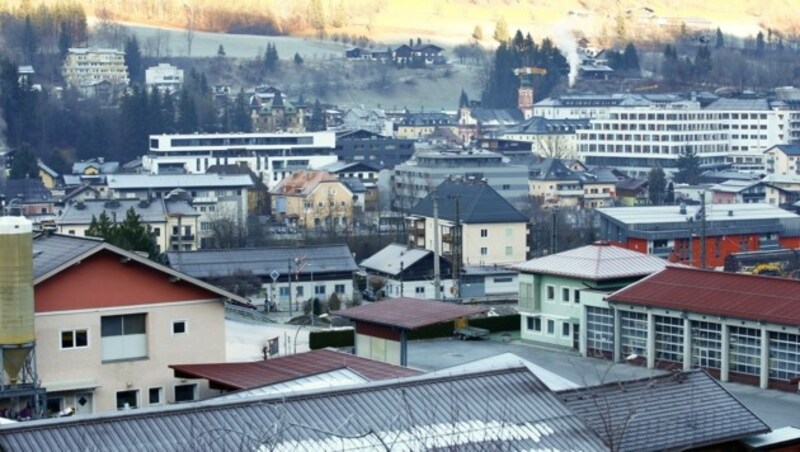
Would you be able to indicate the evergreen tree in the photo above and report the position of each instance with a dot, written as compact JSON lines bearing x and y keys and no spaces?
{"x":155,"y":113}
{"x":670,"y":67}
{"x":630,"y":58}
{"x":187,"y":121}
{"x":463,"y":100}
{"x":168,"y":113}
{"x":419,"y":41}
{"x":240,"y":117}
{"x":656,"y":185}
{"x":221,"y":51}
{"x":101,"y":227}
{"x":25,"y":164}
{"x":760,"y":45}
{"x":133,"y":60}
{"x":670,"y":200}
{"x":720,"y":39}
{"x":317,"y":121}
{"x":501,"y":31}
{"x":298,"y":60}
{"x":688,"y":167}
{"x":64,"y":40}
{"x":702,"y":62}
{"x":131,"y":234}
{"x":57,"y":162}
{"x":271,"y":58}
{"x":30,"y":40}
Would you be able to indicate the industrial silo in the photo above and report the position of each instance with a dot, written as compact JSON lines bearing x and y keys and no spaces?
{"x":17,"y":333}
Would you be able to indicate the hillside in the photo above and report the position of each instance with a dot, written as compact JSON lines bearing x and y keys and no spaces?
{"x":450,"y":21}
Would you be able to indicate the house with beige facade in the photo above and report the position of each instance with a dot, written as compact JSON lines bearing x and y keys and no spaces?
{"x":89,"y":69}
{"x":477,"y":226}
{"x":313,"y":199}
{"x":109,"y":323}
{"x":782,"y":160}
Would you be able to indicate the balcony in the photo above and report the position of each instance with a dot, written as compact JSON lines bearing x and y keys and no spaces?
{"x":182,"y":238}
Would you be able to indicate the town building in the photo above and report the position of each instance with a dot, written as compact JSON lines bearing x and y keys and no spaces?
{"x":314,"y":199}
{"x":415,"y":179}
{"x":365,"y":146}
{"x":551,"y":288}
{"x":676,"y":232}
{"x":49,"y":176}
{"x":95,"y":166}
{"x":165,"y":77}
{"x":86,"y":69}
{"x":633,"y":192}
{"x":215,"y":197}
{"x":591,"y":106}
{"x":737,"y":327}
{"x":556,"y":184}
{"x":29,"y":198}
{"x":548,"y":138}
{"x":782,"y":160}
{"x":277,"y":114}
{"x":416,"y":126}
{"x":109,"y":323}
{"x":304,"y":272}
{"x":356,"y":175}
{"x":174,"y":224}
{"x":408,"y":272}
{"x":269,"y":155}
{"x":372,"y":120}
{"x":477,"y":226}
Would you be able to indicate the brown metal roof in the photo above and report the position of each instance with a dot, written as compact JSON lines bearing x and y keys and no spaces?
{"x":248,"y":375}
{"x":408,"y":313}
{"x":736,"y":295}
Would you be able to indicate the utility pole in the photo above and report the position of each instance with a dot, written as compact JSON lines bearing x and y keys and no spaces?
{"x":703,"y":230}
{"x":402,"y":268}
{"x":436,"y":271}
{"x":553,"y":234}
{"x":289,"y":275}
{"x":457,"y":250}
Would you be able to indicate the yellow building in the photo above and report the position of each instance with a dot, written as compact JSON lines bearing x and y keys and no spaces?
{"x":313,"y":199}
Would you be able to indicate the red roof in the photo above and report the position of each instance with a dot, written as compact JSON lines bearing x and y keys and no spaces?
{"x":408,"y":313}
{"x":736,"y":295}
{"x":262,"y":373}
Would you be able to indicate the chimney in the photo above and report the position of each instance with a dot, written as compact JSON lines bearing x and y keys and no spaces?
{"x":682,"y":210}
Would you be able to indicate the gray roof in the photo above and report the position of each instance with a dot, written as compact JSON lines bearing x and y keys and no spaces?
{"x":28,"y":191}
{"x":354,"y":185}
{"x":551,"y":169}
{"x":82,"y":212}
{"x":51,"y":251}
{"x":507,"y":409}
{"x":788,"y":149}
{"x":668,"y":412}
{"x":497,"y":116}
{"x":596,"y":262}
{"x":478,"y":203}
{"x":390,"y":259}
{"x":320,"y":259}
{"x":671,"y":214}
{"x":102,"y":167}
{"x":739,"y":104}
{"x":540,"y":125}
{"x":168,"y":181}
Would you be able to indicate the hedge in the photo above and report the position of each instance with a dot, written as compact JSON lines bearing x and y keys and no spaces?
{"x":332,"y":338}
{"x":346,"y":338}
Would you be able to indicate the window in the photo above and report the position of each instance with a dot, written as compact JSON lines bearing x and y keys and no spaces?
{"x":565,"y":294}
{"x":509,"y":232}
{"x":179,"y":327}
{"x":509,"y":250}
{"x":484,"y":251}
{"x":124,"y":337}
{"x":484,"y":233}
{"x":74,"y":339}
{"x":127,"y":399}
{"x":503,"y":279}
{"x":339,"y":288}
{"x":319,"y":290}
{"x":419,"y":290}
{"x":155,"y":396}
{"x":535,"y":324}
{"x":185,"y":393}
{"x":283,"y":292}
{"x":551,"y":293}
{"x":565,"y":329}
{"x":576,"y":298}
{"x":551,"y":327}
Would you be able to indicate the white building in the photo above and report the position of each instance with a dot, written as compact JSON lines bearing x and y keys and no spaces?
{"x":85,"y":67}
{"x":164,"y":77}
{"x":272,"y":156}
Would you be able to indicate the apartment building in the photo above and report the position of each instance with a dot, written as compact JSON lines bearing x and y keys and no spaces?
{"x":271,"y":156}
{"x":314,"y":199}
{"x":414,"y":180}
{"x":85,"y":68}
{"x":164,"y":77}
{"x":477,"y":226}
{"x":783,"y":160}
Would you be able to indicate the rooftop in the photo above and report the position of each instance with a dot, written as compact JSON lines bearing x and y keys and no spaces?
{"x":477,"y":203}
{"x":739,"y":104}
{"x":502,"y":409}
{"x":319,"y":259}
{"x":596,"y":262}
{"x":302,"y":183}
{"x":393,"y":257}
{"x":28,"y":191}
{"x":733,"y":295}
{"x":232,"y":376}
{"x":408,"y":313}
{"x":676,"y":411}
{"x":154,"y":211}
{"x":51,"y":251}
{"x":715,"y":212}
{"x":788,"y":149}
{"x":168,"y":181}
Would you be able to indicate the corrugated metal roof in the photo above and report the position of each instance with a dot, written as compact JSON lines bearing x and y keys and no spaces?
{"x":51,"y":251}
{"x":390,"y":259}
{"x":408,"y":313}
{"x":595,"y":262}
{"x":715,"y":212}
{"x":497,"y":410}
{"x":329,"y":380}
{"x":287,"y":368}
{"x":666,"y":412}
{"x":319,"y":259}
{"x":478,"y":203}
{"x":154,"y":211}
{"x":736,"y":295}
{"x":168,"y":181}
